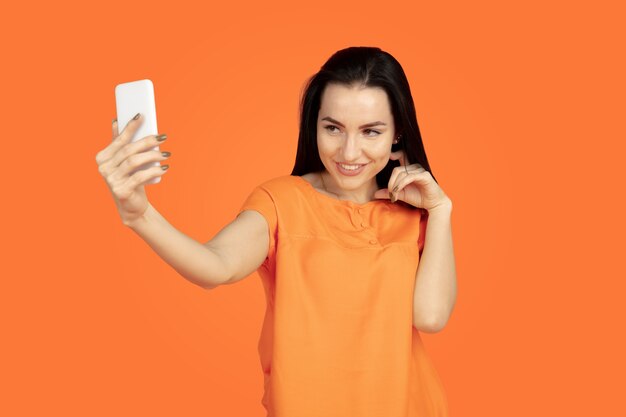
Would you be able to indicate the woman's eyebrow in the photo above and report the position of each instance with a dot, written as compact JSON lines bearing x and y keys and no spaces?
{"x":330,"y":119}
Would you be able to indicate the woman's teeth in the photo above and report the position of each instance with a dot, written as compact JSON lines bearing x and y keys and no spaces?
{"x":350,"y":167}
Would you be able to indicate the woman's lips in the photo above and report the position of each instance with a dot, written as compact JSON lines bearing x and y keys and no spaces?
{"x":350,"y":173}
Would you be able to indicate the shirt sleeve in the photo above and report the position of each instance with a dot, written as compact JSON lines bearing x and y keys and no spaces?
{"x":422,"y":235}
{"x":260,"y":200}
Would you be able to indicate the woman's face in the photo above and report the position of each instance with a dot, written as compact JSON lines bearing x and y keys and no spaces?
{"x":354,"y":127}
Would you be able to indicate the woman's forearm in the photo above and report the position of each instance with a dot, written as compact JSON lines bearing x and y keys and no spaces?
{"x":191,"y":259}
{"x":435,"y":285}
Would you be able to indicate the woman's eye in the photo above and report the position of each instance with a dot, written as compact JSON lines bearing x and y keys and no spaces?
{"x":330,"y":127}
{"x":373,"y":131}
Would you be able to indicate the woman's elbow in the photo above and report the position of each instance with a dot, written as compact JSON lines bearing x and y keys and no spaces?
{"x":432,"y":325}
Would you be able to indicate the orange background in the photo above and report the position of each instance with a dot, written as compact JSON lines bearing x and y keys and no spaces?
{"x":521,"y":107}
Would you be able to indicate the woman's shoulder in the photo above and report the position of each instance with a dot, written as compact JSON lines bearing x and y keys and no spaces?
{"x":286,"y":187}
{"x":280,"y":183}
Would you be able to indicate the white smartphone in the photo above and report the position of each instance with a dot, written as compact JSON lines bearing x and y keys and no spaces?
{"x":138,"y":97}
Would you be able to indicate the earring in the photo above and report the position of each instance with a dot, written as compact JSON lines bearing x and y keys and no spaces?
{"x":397,"y":139}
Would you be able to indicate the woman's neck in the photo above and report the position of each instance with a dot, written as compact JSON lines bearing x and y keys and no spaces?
{"x":359,"y":196}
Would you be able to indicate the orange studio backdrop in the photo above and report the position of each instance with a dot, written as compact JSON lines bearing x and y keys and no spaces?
{"x":521,"y":108}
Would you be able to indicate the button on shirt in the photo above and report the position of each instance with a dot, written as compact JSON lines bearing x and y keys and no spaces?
{"x":338,"y":337}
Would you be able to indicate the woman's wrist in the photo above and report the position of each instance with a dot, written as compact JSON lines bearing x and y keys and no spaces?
{"x":443,"y":208}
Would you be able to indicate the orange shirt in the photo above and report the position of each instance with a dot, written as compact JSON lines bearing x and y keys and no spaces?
{"x":338,"y":337}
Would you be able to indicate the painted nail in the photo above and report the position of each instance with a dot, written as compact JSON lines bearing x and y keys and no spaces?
{"x":166,"y":154}
{"x":164,"y":167}
{"x":136,"y":116}
{"x":395,"y":189}
{"x":161,"y":138}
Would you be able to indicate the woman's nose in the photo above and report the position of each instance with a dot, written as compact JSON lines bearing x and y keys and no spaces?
{"x":350,"y":148}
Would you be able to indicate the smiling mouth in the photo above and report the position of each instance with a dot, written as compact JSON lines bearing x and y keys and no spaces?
{"x":350,"y":167}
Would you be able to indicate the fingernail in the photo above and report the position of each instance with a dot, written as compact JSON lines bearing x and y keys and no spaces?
{"x":395,"y":189}
{"x":166,"y":153}
{"x":136,"y":116}
{"x":164,"y":167}
{"x":114,"y":120}
{"x":161,"y":138}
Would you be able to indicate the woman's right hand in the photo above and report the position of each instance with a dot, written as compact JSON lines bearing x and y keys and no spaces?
{"x":119,"y":159}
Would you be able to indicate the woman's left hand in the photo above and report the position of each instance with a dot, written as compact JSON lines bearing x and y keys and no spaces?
{"x":413,"y":185}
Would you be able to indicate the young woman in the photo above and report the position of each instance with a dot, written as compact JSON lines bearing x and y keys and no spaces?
{"x":354,"y":248}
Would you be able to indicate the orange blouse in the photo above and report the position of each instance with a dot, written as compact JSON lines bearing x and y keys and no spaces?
{"x":338,"y":337}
